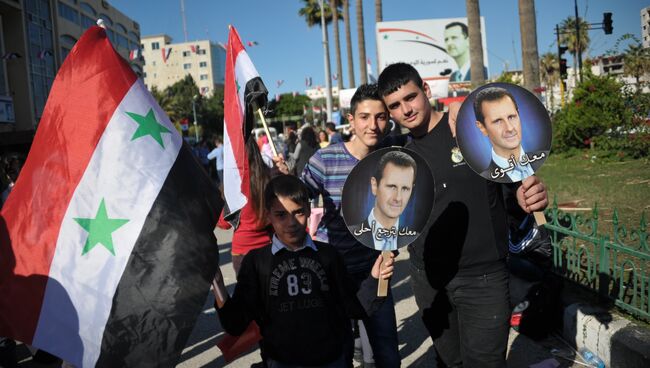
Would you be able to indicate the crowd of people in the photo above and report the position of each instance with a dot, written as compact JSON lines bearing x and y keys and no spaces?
{"x":458,"y":267}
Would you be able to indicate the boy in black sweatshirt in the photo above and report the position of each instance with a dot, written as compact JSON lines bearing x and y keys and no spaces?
{"x":296,"y":289}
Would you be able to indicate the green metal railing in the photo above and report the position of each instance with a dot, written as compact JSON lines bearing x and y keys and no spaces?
{"x":614,"y":263}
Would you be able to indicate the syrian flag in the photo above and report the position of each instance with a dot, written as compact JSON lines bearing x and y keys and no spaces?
{"x":165,"y":53}
{"x":106,"y":243}
{"x":244,"y":93}
{"x":134,"y":54}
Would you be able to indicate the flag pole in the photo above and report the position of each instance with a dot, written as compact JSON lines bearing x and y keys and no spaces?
{"x":268,"y":133}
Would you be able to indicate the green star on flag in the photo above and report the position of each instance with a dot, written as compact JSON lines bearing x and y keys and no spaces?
{"x":147,"y":125}
{"x":237,"y":84}
{"x":385,"y":37}
{"x":100,"y":229}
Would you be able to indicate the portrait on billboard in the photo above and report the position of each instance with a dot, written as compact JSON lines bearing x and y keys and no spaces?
{"x":457,"y":46}
{"x":387,"y":198}
{"x":504,"y":132}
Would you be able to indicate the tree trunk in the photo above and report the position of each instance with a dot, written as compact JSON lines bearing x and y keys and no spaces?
{"x":529,"y":55}
{"x":361,"y":41}
{"x":475,"y":43}
{"x":378,"y":18}
{"x":348,"y":41}
{"x":337,"y":43}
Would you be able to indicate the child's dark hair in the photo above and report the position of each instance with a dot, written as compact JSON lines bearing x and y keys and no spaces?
{"x":287,"y":186}
{"x":395,"y":76}
{"x":364,"y":92}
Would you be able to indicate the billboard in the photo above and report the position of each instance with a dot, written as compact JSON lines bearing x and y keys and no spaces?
{"x":437,"y":48}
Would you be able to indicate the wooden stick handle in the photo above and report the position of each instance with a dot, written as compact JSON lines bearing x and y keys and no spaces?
{"x":382,"y":288}
{"x":268,"y":132}
{"x":219,"y":289}
{"x":540,"y":219}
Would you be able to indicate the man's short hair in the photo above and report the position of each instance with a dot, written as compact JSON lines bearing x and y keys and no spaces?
{"x":287,"y":186}
{"x":394,"y":76}
{"x":397,"y":158}
{"x":490,"y":94}
{"x":330,"y":126}
{"x":364,"y":92}
{"x":463,"y":27}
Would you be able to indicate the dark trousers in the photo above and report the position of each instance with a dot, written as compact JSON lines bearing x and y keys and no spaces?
{"x":381,"y":327}
{"x":467,"y":319}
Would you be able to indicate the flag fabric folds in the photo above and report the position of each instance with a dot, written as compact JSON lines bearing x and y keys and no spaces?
{"x":244,"y":93}
{"x":106,"y":241}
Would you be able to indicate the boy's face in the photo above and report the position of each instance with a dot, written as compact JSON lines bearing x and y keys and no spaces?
{"x":289,"y":220}
{"x":409,"y":105}
{"x":369,"y":121}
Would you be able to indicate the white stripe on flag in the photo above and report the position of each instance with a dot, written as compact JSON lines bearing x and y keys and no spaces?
{"x":232,"y":180}
{"x":244,"y":71}
{"x":128,"y":174}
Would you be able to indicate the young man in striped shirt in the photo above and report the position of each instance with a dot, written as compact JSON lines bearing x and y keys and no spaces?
{"x":325,"y":174}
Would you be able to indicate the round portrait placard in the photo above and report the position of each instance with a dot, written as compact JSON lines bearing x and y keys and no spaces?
{"x":387,"y":198}
{"x":503,"y":132}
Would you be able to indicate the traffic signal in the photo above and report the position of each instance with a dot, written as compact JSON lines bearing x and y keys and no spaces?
{"x":563,"y":72}
{"x":607,"y":23}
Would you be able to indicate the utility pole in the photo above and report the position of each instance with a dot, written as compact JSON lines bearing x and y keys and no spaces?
{"x":578,"y":51}
{"x":326,"y":51}
{"x":183,"y":16}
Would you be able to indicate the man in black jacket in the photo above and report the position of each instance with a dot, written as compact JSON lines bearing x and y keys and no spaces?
{"x":297,"y":289}
{"x":458,"y":269}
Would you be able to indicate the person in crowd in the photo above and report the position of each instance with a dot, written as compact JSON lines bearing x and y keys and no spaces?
{"x":217,"y":155}
{"x":323,"y":139}
{"x":324,"y":175}
{"x":334,"y":135}
{"x":305,"y":148}
{"x":292,"y":141}
{"x":297,"y":289}
{"x":458,"y":266}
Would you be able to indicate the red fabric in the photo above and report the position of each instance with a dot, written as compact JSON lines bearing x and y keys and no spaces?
{"x":233,"y":346}
{"x":247,"y":236}
{"x":88,"y":87}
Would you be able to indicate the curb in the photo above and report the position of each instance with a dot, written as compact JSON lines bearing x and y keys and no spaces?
{"x":618,"y":341}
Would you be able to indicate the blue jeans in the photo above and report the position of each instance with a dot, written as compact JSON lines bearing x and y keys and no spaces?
{"x":381,"y":327}
{"x":467,"y":319}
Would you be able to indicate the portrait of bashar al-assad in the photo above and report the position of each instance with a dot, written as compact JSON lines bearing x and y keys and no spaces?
{"x":498,"y":118}
{"x":392,"y":185}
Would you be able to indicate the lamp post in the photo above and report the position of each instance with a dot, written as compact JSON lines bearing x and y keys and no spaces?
{"x":196,"y":129}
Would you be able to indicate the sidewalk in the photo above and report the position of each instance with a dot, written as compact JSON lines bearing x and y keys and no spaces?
{"x":414,"y":344}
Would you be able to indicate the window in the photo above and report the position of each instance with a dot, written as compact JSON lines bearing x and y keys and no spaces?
{"x":88,"y":9}
{"x":204,"y":77}
{"x":68,"y":13}
{"x":155,"y":46}
{"x":121,"y":28}
{"x":122,"y":41}
{"x":186,"y":53}
{"x":187,"y":66}
{"x":203,"y":64}
{"x":67,"y":40}
{"x":86,"y":21}
{"x":201,"y":52}
{"x":107,"y":19}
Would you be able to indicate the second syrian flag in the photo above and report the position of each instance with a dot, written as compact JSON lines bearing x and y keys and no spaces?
{"x":106,"y":248}
{"x":244,"y":93}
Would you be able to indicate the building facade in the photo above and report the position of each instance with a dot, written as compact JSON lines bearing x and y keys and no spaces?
{"x":645,"y":26}
{"x":167,"y":63}
{"x":36,"y":37}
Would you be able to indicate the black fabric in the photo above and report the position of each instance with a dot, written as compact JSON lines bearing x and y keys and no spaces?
{"x":168,"y":275}
{"x":467,"y":230}
{"x":255,"y":97}
{"x":304,"y":321}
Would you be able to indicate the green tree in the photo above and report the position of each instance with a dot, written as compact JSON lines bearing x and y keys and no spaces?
{"x":549,"y":69}
{"x":568,"y":37}
{"x":288,"y":105}
{"x":212,"y":112}
{"x":597,"y":108}
{"x":637,"y":62}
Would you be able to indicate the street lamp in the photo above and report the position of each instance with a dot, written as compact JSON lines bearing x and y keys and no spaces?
{"x":196,"y":130}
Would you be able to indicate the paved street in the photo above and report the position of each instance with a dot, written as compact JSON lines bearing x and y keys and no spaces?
{"x":415,"y":346}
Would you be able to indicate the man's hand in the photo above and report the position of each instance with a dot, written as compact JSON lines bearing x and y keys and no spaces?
{"x":454,"y":107}
{"x":280,"y":164}
{"x":387,"y":270}
{"x":532,"y":195}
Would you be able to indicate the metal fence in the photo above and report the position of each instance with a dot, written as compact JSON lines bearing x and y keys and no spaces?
{"x":615,"y":262}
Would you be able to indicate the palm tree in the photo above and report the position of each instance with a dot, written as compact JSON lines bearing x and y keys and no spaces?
{"x":549,"y":68}
{"x":568,"y":38}
{"x":528,"y":30}
{"x":475,"y":42}
{"x":335,"y":4}
{"x":311,"y":12}
{"x":361,"y":42}
{"x":348,"y":41}
{"x":636,"y":61}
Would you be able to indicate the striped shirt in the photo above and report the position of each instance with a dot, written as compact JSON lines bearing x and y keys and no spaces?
{"x":325,"y":174}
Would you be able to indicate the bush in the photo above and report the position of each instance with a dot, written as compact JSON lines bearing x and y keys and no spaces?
{"x":597,"y":107}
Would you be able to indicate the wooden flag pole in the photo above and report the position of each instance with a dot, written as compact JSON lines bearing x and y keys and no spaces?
{"x":268,"y":133}
{"x":382,"y":288}
{"x":540,"y":219}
